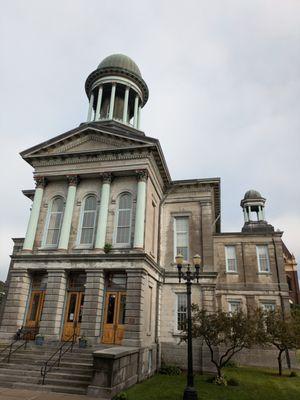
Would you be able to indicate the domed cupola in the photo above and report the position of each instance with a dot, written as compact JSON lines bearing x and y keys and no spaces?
{"x":116,"y":91}
{"x":253,"y":205}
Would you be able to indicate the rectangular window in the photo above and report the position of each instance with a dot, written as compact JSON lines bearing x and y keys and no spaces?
{"x":181,"y":237}
{"x":181,"y":311}
{"x":231,"y":262}
{"x":234,"y":306}
{"x":263,"y":258}
{"x":268,"y":306}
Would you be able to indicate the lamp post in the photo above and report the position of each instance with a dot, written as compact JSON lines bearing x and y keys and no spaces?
{"x":189,"y":276}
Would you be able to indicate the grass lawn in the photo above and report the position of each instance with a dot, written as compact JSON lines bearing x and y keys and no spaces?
{"x":255,"y":384}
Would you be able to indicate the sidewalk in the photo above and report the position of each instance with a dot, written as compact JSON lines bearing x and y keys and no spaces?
{"x":18,"y":394}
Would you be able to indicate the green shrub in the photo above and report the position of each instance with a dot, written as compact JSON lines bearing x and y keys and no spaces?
{"x":233,"y":382}
{"x":171,"y":370}
{"x":121,"y":396}
{"x":293,"y":374}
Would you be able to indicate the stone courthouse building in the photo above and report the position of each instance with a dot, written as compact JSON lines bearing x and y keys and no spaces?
{"x":106,"y":223}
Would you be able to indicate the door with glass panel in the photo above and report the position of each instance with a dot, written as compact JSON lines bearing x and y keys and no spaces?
{"x":73,"y":316}
{"x":35,"y":310}
{"x":114,"y":317}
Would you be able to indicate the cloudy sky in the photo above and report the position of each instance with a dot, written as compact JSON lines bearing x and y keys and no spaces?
{"x":224,"y":81}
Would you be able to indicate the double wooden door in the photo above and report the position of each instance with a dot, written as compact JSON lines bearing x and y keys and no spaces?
{"x":73,"y":315}
{"x":35,"y":310}
{"x":114,"y":317}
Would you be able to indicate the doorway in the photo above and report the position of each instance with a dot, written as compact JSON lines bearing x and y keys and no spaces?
{"x":73,"y":316}
{"x":114,"y":317}
{"x":35,"y":310}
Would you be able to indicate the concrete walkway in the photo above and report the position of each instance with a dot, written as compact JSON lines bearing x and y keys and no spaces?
{"x":20,"y":394}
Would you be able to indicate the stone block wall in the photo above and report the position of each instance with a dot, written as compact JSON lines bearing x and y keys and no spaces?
{"x":16,"y":303}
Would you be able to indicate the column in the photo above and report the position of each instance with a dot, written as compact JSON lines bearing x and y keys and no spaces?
{"x":103,"y":213}
{"x":67,"y":219}
{"x":99,"y":101}
{"x":53,"y":311}
{"x":34,"y":215}
{"x":93,"y":305}
{"x":136,"y":106}
{"x":140,"y":210}
{"x":245,"y":214}
{"x":139,"y":117}
{"x":90,"y":112}
{"x":135,"y":308}
{"x":112,"y":101}
{"x":249,"y":213}
{"x":125,"y":109}
{"x":16,"y":302}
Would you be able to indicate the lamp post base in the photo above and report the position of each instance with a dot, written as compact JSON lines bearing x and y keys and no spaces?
{"x":190,"y":393}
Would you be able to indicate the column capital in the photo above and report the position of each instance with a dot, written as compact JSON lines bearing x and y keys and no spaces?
{"x":106,"y":177}
{"x":72,"y":180}
{"x":142,"y":175}
{"x":40,"y":182}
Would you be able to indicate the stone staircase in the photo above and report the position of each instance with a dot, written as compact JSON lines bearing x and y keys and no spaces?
{"x":24,"y":369}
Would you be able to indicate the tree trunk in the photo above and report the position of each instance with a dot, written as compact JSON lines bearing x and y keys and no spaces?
{"x":279,"y":363}
{"x":219,"y":372}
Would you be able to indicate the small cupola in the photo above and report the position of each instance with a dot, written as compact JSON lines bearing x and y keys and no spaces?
{"x":116,"y":91}
{"x":253,"y":205}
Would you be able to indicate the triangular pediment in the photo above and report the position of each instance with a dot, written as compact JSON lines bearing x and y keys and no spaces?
{"x":84,"y":140}
{"x":88,"y":142}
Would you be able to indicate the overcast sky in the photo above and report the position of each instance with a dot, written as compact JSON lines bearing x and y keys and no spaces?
{"x":224,"y":82}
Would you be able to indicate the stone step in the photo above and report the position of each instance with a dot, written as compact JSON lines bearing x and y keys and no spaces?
{"x":37,"y":356}
{"x":50,"y":388}
{"x":37,"y":380}
{"x":55,"y":373}
{"x":37,"y":368}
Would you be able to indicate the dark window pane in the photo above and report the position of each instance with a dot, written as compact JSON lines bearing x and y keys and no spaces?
{"x":81,"y":309}
{"x":111,"y":309}
{"x":72,"y":306}
{"x":122,"y":309}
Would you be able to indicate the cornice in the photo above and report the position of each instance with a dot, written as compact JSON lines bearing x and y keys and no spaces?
{"x":59,"y":257}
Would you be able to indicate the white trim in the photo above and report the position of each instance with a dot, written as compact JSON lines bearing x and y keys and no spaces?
{"x":117,"y":219}
{"x":175,"y":235}
{"x":236,"y":301}
{"x":79,"y":230}
{"x":267,"y":257}
{"x":44,"y":244}
{"x":176,"y":330}
{"x":226,"y":258}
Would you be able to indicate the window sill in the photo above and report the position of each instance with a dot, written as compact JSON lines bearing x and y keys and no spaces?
{"x":91,"y":247}
{"x":47,"y":248}
{"x":264,"y":273}
{"x":231,"y":273}
{"x":179,"y":334}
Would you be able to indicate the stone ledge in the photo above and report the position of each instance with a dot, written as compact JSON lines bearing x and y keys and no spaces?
{"x":115,"y":352}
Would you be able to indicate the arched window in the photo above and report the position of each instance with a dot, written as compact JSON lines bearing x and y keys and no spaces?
{"x":54,"y":219}
{"x":88,"y":221}
{"x":123,"y":228}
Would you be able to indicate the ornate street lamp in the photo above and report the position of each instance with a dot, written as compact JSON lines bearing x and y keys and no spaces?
{"x":189,"y":276}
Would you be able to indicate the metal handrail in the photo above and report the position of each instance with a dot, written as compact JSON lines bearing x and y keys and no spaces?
{"x":46,"y":367}
{"x":10,"y":347}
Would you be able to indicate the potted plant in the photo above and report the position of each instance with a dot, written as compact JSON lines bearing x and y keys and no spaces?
{"x":39,"y":339}
{"x":82,"y":342}
{"x":107,"y":248}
